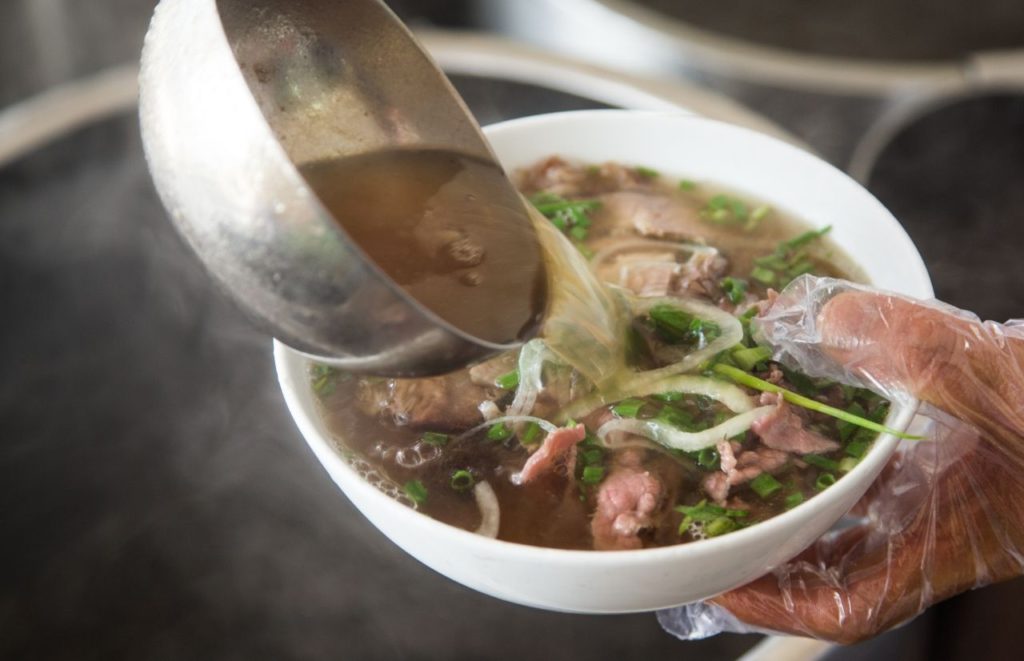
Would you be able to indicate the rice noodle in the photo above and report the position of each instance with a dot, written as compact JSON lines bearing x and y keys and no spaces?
{"x":513,"y":419}
{"x":671,"y":437}
{"x":732,"y":396}
{"x":531,"y":377}
{"x":490,"y":512}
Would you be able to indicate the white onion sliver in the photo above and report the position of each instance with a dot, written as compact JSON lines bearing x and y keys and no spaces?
{"x":490,"y":513}
{"x":732,"y":396}
{"x":671,"y":437}
{"x":639,"y":244}
{"x":531,"y":372}
{"x":513,"y":419}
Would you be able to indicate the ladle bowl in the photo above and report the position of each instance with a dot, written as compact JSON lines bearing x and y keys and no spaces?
{"x":235,"y":97}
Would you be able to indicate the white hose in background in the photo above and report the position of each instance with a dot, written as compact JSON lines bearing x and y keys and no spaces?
{"x":34,"y":122}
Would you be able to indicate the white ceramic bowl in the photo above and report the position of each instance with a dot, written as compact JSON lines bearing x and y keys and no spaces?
{"x":606,"y":582}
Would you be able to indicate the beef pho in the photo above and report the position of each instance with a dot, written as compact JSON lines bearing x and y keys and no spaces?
{"x":645,"y":414}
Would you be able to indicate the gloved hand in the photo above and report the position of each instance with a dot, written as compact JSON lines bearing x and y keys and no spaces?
{"x":945,"y":516}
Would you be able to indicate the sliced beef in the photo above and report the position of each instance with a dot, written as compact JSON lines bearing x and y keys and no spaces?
{"x":557,"y":176}
{"x":783,"y":429}
{"x":446,"y":403}
{"x":559,"y":447}
{"x":651,"y":214}
{"x":628,"y":502}
{"x":742,"y":467}
{"x":649,"y":271}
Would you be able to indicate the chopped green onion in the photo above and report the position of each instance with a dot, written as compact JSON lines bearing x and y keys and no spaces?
{"x":462,"y":480}
{"x":856,"y":449}
{"x":847,"y":464}
{"x":578,"y":232}
{"x":671,"y":321}
{"x":687,"y":185}
{"x":509,"y":381}
{"x":531,"y":433}
{"x":647,"y":173}
{"x":763,"y":275}
{"x":794,"y":499}
{"x":592,"y":456}
{"x":628,"y":408}
{"x":720,"y":526}
{"x":675,"y":417}
{"x":705,"y":512}
{"x":805,"y":238}
{"x":498,"y":432}
{"x":757,"y":215}
{"x":765,"y":485}
{"x":416,"y":491}
{"x":748,"y":359}
{"x":821,"y":462}
{"x":751,"y":381}
{"x":824,"y":481}
{"x":847,"y":429}
{"x":734,"y":289}
{"x":592,"y":475}
{"x":708,"y":458}
{"x":434,"y":438}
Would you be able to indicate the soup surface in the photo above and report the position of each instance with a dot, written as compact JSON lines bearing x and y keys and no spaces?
{"x":666,"y":436}
{"x":448,"y":229}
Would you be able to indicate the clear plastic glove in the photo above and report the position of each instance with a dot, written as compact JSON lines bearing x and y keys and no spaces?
{"x":945,"y":516}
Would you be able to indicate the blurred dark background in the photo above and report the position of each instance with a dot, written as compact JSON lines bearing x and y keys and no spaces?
{"x":158,"y":502}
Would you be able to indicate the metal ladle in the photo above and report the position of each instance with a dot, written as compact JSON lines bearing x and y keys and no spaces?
{"x":235,"y":96}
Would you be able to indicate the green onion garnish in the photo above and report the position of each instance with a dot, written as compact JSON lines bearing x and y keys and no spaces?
{"x":794,"y":499}
{"x":416,"y":491}
{"x":821,"y":462}
{"x":531,"y":434}
{"x":847,"y":464}
{"x":824,"y":481}
{"x":751,"y":381}
{"x":705,"y":512}
{"x":592,"y":475}
{"x":856,"y":449}
{"x":579,"y":233}
{"x":434,"y":438}
{"x":509,"y":381}
{"x":592,"y":456}
{"x":763,"y":275}
{"x":765,"y":485}
{"x":647,"y":173}
{"x":628,"y":408}
{"x":734,"y":288}
{"x":707,"y":458}
{"x":687,"y":185}
{"x":720,"y":526}
{"x":748,"y":359}
{"x":462,"y":480}
{"x":498,"y":432}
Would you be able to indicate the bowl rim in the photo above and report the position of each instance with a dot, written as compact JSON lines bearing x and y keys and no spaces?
{"x":293,"y":379}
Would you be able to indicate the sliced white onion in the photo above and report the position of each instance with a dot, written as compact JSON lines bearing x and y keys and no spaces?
{"x":732,"y":396}
{"x":490,"y":512}
{"x":531,"y":377}
{"x":647,"y":244}
{"x":512,"y":419}
{"x":671,"y":437}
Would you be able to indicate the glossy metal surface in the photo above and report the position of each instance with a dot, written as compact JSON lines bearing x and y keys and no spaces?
{"x":235,"y":95}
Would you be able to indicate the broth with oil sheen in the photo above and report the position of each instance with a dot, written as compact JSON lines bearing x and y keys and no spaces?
{"x":446,"y":227}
